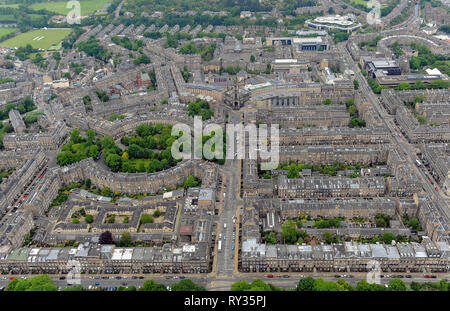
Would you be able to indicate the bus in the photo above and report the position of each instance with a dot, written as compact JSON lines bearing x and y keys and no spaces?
{"x":219,"y":246}
{"x":418,"y":163}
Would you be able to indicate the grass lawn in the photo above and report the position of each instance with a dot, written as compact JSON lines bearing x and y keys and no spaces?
{"x":5,"y":31}
{"x":9,"y":6}
{"x":48,"y":37}
{"x":86,"y":6}
{"x":363,"y":2}
{"x":7,"y":18}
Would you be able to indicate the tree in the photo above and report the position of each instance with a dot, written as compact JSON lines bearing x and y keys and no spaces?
{"x":343,"y":285}
{"x":125,"y":239}
{"x":36,"y":283}
{"x":289,"y":232}
{"x":325,"y":286}
{"x":106,"y":238}
{"x":113,"y":161}
{"x":186,"y":285}
{"x":293,"y":171}
{"x":443,"y":285}
{"x":126,"y":289}
{"x":306,"y":284}
{"x":415,"y":286}
{"x":327,"y":101}
{"x":106,"y":192}
{"x":328,"y":237}
{"x":259,"y":285}
{"x":11,"y":285}
{"x":364,"y":286}
{"x":414,"y":222}
{"x":157,"y":213}
{"x":93,"y":152}
{"x":404,"y":86}
{"x":90,"y":136}
{"x":356,"y":84}
{"x":252,"y":58}
{"x":88,"y":219}
{"x":152,"y":286}
{"x":191,"y":181}
{"x":388,"y":237}
{"x":75,"y":136}
{"x":107,"y":142}
{"x":397,"y":285}
{"x":240,"y":286}
{"x":419,"y":85}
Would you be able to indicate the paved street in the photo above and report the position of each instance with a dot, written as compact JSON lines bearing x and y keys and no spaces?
{"x":226,"y":262}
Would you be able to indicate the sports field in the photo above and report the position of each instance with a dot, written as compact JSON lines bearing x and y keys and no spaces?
{"x":15,"y":6}
{"x":39,"y":39}
{"x":5,"y":31}
{"x":86,"y":6}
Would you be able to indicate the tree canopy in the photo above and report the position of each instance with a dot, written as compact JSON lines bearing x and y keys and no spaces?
{"x":36,"y":283}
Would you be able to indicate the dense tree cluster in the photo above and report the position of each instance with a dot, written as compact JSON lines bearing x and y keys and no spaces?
{"x":338,"y":36}
{"x":192,"y":181}
{"x":376,"y":88}
{"x":142,"y":153}
{"x":93,"y":48}
{"x":142,"y":59}
{"x":200,"y":108}
{"x":186,"y":285}
{"x":291,"y":235}
{"x":206,"y":51}
{"x":311,"y":284}
{"x":152,"y":286}
{"x":230,"y":70}
{"x":102,"y":95}
{"x":69,"y":41}
{"x":327,"y":223}
{"x":445,"y":28}
{"x":382,"y":220}
{"x":152,"y":86}
{"x":325,"y":169}
{"x":127,"y":43}
{"x":106,"y":238}
{"x":256,"y":285}
{"x":24,"y":106}
{"x":153,"y":35}
{"x":426,"y":58}
{"x":36,"y":283}
{"x":79,"y":148}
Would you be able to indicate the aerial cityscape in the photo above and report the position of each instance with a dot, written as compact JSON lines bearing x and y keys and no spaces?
{"x":236,"y":145}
